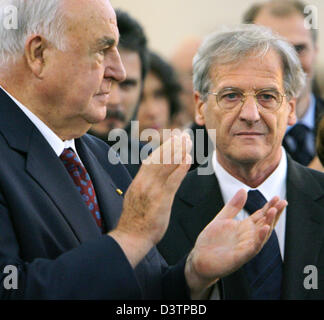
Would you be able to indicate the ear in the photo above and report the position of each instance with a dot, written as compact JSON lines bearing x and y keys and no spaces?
{"x":199,"y":109}
{"x":34,"y":52}
{"x":292,"y":118}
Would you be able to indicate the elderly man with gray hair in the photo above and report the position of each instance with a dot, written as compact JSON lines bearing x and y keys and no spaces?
{"x":246,"y":82}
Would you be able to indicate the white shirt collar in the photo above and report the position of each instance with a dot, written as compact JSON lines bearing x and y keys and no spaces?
{"x":274,"y":185}
{"x":54,"y":141}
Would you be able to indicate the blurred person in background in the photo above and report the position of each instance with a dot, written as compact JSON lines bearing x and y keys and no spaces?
{"x":160,"y":100}
{"x":287,"y":19}
{"x":181,"y":61}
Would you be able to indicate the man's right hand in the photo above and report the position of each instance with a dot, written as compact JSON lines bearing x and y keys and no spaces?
{"x":148,"y":201}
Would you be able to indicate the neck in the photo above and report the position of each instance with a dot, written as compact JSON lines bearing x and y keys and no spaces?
{"x":65,"y":129}
{"x":251,"y":174}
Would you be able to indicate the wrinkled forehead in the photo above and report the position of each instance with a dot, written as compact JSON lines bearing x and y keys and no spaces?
{"x":264,"y":68}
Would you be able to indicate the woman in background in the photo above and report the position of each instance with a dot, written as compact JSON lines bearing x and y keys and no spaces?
{"x":160,"y":101}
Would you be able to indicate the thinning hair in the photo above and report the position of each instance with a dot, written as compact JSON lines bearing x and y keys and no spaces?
{"x":44,"y":17}
{"x":280,"y":9}
{"x":231,"y":46}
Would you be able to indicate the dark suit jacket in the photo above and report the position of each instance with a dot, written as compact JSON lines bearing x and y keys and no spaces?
{"x":319,"y":111}
{"x":49,"y":234}
{"x":199,"y":199}
{"x":204,"y":142}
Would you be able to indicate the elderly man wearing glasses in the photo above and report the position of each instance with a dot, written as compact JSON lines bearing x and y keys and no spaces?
{"x":246,"y":82}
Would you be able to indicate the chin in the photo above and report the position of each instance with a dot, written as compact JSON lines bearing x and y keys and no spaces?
{"x":247,"y":157}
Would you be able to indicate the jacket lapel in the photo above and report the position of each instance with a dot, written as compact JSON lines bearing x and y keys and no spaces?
{"x":203,"y":195}
{"x":304,"y":229}
{"x":109,"y":200}
{"x":46,"y":169}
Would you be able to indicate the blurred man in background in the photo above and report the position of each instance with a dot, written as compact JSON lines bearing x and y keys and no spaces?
{"x":181,"y":60}
{"x":287,"y":19}
{"x":182,"y":63}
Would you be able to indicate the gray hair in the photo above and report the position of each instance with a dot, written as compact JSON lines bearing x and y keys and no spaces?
{"x":43,"y":17}
{"x":231,"y":46}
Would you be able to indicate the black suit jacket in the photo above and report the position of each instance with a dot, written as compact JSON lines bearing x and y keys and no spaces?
{"x":319,"y":111}
{"x":203,"y":143}
{"x":199,"y":199}
{"x":48,"y":233}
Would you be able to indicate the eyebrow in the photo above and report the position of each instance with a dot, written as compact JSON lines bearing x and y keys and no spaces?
{"x":256,"y":89}
{"x":105,"y":42}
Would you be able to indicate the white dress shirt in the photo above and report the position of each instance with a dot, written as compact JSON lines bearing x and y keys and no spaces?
{"x":274,"y":185}
{"x":57,"y":144}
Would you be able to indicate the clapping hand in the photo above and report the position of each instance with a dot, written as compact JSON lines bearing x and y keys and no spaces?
{"x":226,"y":244}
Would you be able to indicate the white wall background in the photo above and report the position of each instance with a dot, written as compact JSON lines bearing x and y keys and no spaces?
{"x":166,"y":22}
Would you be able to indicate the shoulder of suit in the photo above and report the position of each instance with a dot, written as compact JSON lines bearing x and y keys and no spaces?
{"x":309,"y":179}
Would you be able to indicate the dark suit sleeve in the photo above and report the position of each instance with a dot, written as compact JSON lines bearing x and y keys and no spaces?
{"x":174,"y":282}
{"x":94,"y":270}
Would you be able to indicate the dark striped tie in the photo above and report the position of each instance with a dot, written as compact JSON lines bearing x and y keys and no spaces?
{"x":264,"y":271}
{"x":83,"y":183}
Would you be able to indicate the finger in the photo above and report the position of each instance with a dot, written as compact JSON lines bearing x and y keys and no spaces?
{"x":187,"y":146}
{"x":158,"y":154}
{"x":234,"y":206}
{"x":262,"y":212}
{"x":272,"y":219}
{"x":165,"y":155}
{"x":269,"y":221}
{"x":264,"y":234}
{"x":182,"y":147}
{"x":175,"y":178}
{"x":280,"y":207}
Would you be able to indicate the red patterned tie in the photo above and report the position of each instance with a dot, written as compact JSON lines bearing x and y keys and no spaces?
{"x":83,"y":182}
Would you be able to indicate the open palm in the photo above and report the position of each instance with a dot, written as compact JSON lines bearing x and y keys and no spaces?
{"x":226,"y":244}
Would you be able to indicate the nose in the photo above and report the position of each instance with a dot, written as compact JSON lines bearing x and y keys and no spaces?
{"x":152,"y":109}
{"x":249,"y":111}
{"x":115,"y":69}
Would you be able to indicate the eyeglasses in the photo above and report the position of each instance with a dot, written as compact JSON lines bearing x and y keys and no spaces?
{"x":268,"y":100}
